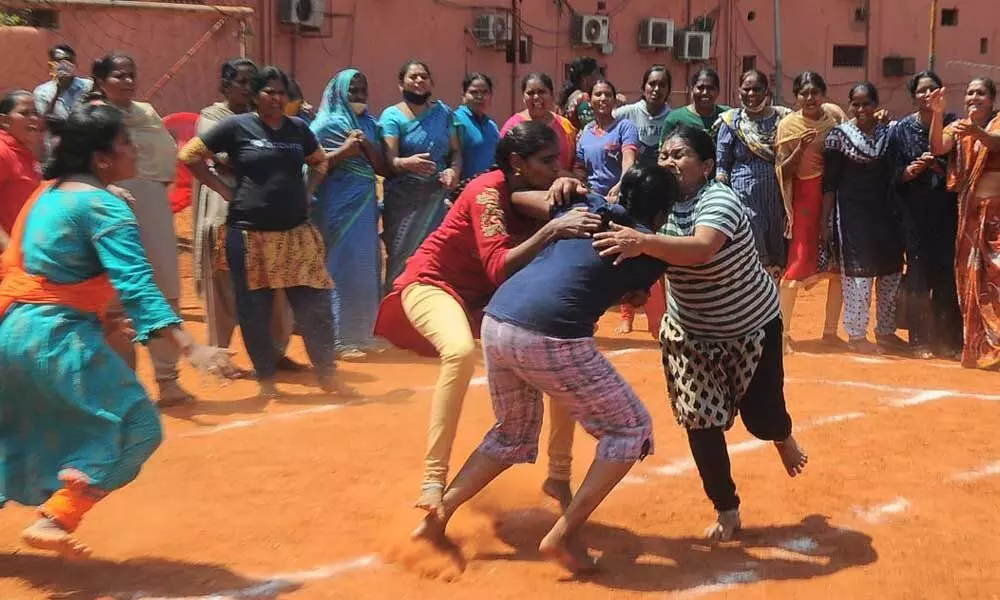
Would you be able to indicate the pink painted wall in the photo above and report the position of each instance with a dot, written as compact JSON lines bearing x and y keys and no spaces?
{"x":376,"y":36}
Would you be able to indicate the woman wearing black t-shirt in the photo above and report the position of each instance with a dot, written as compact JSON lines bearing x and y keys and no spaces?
{"x":269,"y":242}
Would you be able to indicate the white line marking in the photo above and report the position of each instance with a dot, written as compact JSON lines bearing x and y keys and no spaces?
{"x":683,"y":465}
{"x":880,"y":513}
{"x":922,"y":397}
{"x":881,"y":387}
{"x":283,"y":416}
{"x":802,"y":545}
{"x":274,"y":584}
{"x":624,"y":352}
{"x":720,"y":583}
{"x":977,"y":474}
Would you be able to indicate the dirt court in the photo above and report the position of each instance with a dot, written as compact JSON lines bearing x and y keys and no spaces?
{"x":303,"y":498}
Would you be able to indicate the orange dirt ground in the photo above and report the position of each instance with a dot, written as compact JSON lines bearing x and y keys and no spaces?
{"x":303,"y":498}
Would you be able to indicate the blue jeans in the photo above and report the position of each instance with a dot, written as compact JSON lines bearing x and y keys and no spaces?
{"x":310,"y":306}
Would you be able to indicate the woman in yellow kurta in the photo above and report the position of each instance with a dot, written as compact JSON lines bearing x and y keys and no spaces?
{"x":799,"y":164}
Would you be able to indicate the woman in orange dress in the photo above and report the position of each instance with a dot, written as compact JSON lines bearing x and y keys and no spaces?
{"x":799,"y":165}
{"x":974,"y":172}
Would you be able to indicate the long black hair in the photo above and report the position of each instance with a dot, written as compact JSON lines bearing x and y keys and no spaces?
{"x":541,"y":78}
{"x":413,"y":63}
{"x":526,"y":140}
{"x":989,"y":84}
{"x":808,"y":78}
{"x":266,"y":75}
{"x":578,"y":69}
{"x":866,"y":87}
{"x":86,"y":131}
{"x":915,"y":81}
{"x":648,"y":191}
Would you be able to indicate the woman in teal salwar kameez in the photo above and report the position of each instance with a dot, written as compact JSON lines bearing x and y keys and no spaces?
{"x":75,"y":423}
{"x":423,"y":156}
{"x":346,"y":211}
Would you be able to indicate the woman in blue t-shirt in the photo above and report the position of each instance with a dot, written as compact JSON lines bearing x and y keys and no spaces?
{"x":425,"y":161}
{"x":607,"y":146}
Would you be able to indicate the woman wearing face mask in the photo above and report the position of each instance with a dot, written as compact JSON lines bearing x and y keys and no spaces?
{"x":974,"y":172}
{"x":537,"y":90}
{"x":210,"y":211}
{"x":435,"y":307}
{"x":346,"y":211}
{"x":21,"y":132}
{"x":425,"y":160}
{"x":115,"y":77}
{"x":799,"y":167}
{"x":703,"y":112}
{"x":745,"y":162}
{"x":866,"y":229}
{"x":478,"y":133}
{"x":649,"y":114}
{"x":930,"y":218}
{"x":721,"y":337}
{"x":77,"y":424}
{"x":607,"y":146}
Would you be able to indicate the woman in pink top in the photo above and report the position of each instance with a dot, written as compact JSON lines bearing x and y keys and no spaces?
{"x":539,"y":98}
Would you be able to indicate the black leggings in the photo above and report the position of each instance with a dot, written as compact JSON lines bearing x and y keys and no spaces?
{"x":762,"y":409}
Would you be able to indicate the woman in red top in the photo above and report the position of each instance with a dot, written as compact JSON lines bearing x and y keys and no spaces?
{"x":21,"y":131}
{"x":436,"y":304}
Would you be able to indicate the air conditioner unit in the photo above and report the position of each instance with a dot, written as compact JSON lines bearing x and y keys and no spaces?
{"x":590,"y":30}
{"x":307,"y":13}
{"x":656,"y":33}
{"x":693,"y":45}
{"x":898,"y":66}
{"x":492,"y":29}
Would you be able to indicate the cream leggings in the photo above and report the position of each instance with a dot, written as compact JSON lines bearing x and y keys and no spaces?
{"x":442,"y":320}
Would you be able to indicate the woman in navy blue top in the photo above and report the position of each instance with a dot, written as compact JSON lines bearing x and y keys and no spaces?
{"x":539,"y":343}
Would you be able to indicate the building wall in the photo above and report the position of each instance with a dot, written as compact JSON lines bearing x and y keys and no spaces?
{"x":376,"y":36}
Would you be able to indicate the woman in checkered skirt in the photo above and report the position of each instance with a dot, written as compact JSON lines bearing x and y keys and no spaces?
{"x":721,"y":336}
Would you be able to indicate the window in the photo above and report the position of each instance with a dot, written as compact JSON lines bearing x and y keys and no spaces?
{"x":984,"y":46}
{"x":949,"y":17}
{"x":849,"y":56}
{"x":749,"y":62}
{"x":40,"y":18}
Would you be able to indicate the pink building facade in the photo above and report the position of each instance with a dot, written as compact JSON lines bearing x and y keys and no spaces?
{"x":845,"y":40}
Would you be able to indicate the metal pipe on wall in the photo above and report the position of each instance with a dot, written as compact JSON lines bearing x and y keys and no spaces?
{"x":204,"y":9}
{"x":515,"y":11}
{"x":779,"y":75}
{"x":932,"y":54}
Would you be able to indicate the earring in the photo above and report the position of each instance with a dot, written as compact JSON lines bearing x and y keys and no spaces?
{"x":517,"y":172}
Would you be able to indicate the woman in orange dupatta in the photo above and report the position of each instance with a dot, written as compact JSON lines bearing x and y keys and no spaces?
{"x":76,"y":423}
{"x":974,"y":172}
{"x":799,"y":165}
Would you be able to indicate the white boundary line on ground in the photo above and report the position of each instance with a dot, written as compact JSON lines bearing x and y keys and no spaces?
{"x":877,"y":514}
{"x":272,"y":585}
{"x":976,"y":474}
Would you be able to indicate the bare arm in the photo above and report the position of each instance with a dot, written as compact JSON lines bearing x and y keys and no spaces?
{"x":4,"y":239}
{"x":316,"y":172}
{"x":941,"y":143}
{"x":685,"y":251}
{"x":374,"y":156}
{"x":202,"y":173}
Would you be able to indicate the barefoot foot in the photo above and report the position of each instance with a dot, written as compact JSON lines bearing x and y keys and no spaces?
{"x":559,"y":491}
{"x":567,"y":550}
{"x":624,"y":327}
{"x":726,"y":525}
{"x":793,"y":457}
{"x":431,"y":500}
{"x":46,"y":534}
{"x":331,"y":384}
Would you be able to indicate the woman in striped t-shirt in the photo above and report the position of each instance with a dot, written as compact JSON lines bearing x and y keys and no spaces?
{"x":721,"y":336}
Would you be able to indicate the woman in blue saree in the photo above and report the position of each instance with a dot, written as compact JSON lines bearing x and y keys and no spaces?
{"x":346,"y":212}
{"x":423,"y":156}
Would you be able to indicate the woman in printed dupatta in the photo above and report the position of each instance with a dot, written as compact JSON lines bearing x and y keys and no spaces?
{"x":930,"y":216}
{"x":346,"y":212}
{"x":799,"y":166}
{"x":974,"y":172}
{"x":422,"y":153}
{"x":115,"y":77}
{"x":866,"y":229}
{"x":210,"y":209}
{"x":745,"y":162}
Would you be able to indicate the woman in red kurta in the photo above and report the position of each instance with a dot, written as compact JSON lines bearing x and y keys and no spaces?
{"x":436,"y":304}
{"x":21,"y":131}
